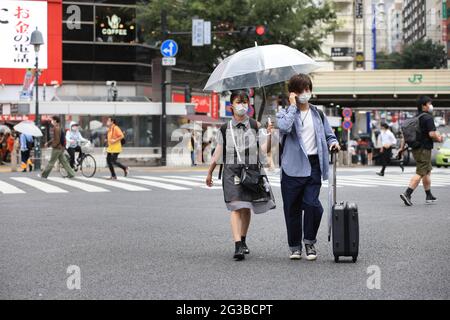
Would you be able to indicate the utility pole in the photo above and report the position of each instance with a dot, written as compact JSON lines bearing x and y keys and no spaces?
{"x":163,"y":95}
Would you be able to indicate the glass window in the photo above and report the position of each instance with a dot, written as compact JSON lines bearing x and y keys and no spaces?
{"x":78,"y":52}
{"x":78,"y":72}
{"x":149,"y":131}
{"x":77,"y":13}
{"x":115,"y":53}
{"x":85,"y":32}
{"x":115,"y":24}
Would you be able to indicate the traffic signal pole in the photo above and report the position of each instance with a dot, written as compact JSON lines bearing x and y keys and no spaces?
{"x":163,"y":95}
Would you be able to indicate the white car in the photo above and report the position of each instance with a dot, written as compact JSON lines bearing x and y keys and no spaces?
{"x":439,"y":121}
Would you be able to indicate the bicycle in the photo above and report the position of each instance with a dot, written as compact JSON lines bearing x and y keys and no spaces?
{"x":85,"y":162}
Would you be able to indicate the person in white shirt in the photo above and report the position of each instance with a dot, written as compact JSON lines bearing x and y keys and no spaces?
{"x":73,"y":142}
{"x":388,"y":140}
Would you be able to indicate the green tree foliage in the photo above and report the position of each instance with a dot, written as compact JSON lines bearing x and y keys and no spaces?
{"x":301,"y":24}
{"x":419,"y":55}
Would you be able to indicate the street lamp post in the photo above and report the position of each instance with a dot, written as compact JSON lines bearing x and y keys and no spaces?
{"x":37,"y":40}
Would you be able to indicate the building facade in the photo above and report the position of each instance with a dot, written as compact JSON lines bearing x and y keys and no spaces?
{"x":395,"y":26}
{"x":414,"y":20}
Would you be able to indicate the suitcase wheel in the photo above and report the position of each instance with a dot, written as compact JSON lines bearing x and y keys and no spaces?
{"x":354,"y":259}
{"x":336,"y":259}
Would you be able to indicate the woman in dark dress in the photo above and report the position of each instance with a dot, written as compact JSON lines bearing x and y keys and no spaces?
{"x":241,"y":139}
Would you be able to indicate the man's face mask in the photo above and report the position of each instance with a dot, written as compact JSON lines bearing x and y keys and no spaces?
{"x":304,"y":97}
{"x":430,"y":108}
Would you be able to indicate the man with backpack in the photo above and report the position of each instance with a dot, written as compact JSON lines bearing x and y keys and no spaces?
{"x":419,"y":133}
{"x":58,"y":148}
{"x":26,"y":145}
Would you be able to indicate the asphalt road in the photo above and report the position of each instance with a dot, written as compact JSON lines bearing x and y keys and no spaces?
{"x":176,"y":244}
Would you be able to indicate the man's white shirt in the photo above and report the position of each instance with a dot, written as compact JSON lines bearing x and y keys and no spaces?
{"x":308,"y":133}
{"x":388,"y":137}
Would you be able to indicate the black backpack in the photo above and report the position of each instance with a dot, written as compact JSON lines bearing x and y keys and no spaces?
{"x":30,"y":144}
{"x":62,"y":138}
{"x":412,"y":132}
{"x":283,"y":139}
{"x":124,"y":139}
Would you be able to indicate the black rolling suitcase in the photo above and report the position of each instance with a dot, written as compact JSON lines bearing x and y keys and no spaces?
{"x":344,"y":225}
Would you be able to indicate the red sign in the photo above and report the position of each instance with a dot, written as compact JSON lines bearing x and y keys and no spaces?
{"x":215,"y":106}
{"x":347,"y":125}
{"x":54,"y":36}
{"x":202,"y":103}
{"x":347,"y":112}
{"x":22,"y":117}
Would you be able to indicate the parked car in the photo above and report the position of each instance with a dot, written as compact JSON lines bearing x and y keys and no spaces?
{"x":443,"y":155}
{"x":439,"y":121}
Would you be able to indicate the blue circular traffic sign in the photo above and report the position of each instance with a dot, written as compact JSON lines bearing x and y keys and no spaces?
{"x":169,"y":48}
{"x":347,"y":125}
{"x":347,"y":112}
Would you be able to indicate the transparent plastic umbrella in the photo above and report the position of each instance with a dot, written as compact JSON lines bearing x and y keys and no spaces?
{"x":28,"y":127}
{"x":259,"y":66}
{"x":4,"y":128}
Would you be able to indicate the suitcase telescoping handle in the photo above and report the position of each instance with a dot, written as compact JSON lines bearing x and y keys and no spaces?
{"x":332,"y":192}
{"x":333,"y":162}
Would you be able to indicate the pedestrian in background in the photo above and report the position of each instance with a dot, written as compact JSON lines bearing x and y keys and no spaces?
{"x":9,"y":140}
{"x":2,"y":146}
{"x":58,"y":148}
{"x":15,"y":150}
{"x":306,"y":138}
{"x":240,"y":136}
{"x":388,"y":140}
{"x":114,"y":137}
{"x":422,"y":152}
{"x":26,"y":145}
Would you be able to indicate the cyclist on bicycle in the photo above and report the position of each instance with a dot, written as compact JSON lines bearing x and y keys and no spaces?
{"x":73,"y":142}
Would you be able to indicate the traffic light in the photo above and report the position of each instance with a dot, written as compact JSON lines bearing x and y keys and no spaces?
{"x":187,"y":94}
{"x":261,"y":30}
{"x":247,"y":31}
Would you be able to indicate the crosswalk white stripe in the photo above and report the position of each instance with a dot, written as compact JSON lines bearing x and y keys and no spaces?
{"x":116,"y":184}
{"x":182,"y":182}
{"x":191,"y":178}
{"x":43,"y":186}
{"x":395,"y":181}
{"x":79,"y":185}
{"x":155,"y":184}
{"x":371,"y":181}
{"x":7,"y":188}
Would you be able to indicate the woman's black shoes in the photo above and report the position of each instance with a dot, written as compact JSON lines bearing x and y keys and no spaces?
{"x":239,"y":251}
{"x":245,"y":248}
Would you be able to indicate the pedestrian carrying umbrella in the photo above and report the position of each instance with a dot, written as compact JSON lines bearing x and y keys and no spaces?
{"x":95,"y":124}
{"x":28,"y":127}
{"x":259,"y":66}
{"x":191,"y":126}
{"x":4,"y":129}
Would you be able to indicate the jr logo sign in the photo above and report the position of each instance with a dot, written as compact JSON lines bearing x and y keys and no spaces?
{"x":416,"y":78}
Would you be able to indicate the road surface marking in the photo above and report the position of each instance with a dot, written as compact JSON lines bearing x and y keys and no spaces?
{"x":116,"y":184}
{"x":154,"y":184}
{"x":79,"y":185}
{"x":43,"y":186}
{"x":7,"y":188}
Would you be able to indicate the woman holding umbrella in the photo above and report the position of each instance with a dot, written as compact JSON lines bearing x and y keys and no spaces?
{"x":237,"y":146}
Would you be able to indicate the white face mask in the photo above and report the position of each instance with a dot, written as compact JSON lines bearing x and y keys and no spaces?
{"x":241,"y":109}
{"x":430,"y":108}
{"x":304,"y":97}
